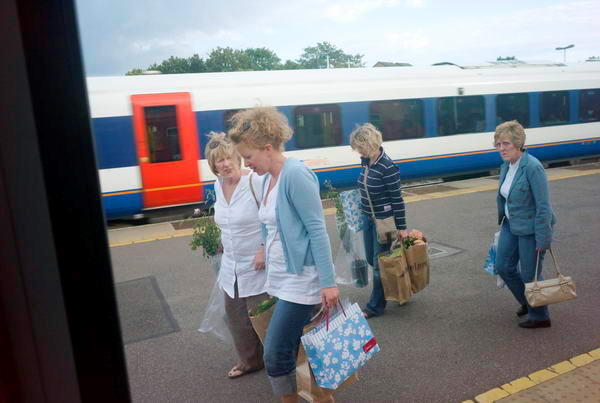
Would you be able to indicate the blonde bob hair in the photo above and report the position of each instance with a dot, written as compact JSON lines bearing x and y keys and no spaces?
{"x":513,"y":131}
{"x":366,"y":138}
{"x":220,"y":147}
{"x":260,"y":126}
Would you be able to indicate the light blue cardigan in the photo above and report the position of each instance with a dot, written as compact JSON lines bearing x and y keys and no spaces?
{"x":301,"y":223}
{"x":528,"y":201}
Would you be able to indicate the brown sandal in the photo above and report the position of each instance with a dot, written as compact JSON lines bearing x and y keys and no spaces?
{"x":236,"y":372}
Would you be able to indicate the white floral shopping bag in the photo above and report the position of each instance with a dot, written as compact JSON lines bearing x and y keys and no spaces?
{"x":350,"y":200}
{"x":339,"y":347}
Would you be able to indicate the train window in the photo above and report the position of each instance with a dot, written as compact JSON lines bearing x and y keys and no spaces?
{"x":226,"y":116}
{"x":554,"y":108}
{"x":317,"y":126}
{"x":513,"y":107}
{"x":397,"y":120}
{"x":589,"y":105}
{"x":162,"y":133}
{"x":458,"y":115}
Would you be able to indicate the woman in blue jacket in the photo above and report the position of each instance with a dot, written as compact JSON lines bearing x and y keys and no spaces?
{"x":298,"y":252}
{"x":525,"y":216}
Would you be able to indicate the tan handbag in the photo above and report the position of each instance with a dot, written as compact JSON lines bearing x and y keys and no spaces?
{"x":386,"y":227}
{"x":559,"y":289}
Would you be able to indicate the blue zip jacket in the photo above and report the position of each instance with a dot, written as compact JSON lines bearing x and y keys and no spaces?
{"x":301,"y":222}
{"x":528,"y":201}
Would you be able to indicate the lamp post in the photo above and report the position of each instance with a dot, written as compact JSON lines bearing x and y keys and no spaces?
{"x":564,"y":49}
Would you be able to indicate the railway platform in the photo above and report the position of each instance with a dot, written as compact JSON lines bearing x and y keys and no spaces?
{"x":455,"y":341}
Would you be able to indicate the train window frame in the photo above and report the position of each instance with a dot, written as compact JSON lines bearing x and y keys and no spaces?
{"x":415,"y":122}
{"x":164,"y":135}
{"x":526,"y":122}
{"x":583,"y":102}
{"x":443,"y":129}
{"x":336,"y":122}
{"x":563,"y":112}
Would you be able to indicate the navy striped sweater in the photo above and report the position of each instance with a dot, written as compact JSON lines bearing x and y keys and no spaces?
{"x":383,"y":182}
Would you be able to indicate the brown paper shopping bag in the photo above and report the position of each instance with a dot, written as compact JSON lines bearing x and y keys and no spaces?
{"x":261,"y":316}
{"x":394,"y":276}
{"x":417,"y":260}
{"x":306,"y":384}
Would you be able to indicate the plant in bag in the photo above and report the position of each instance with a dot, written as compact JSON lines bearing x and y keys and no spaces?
{"x":417,"y":259}
{"x":263,"y":307}
{"x":207,"y":235}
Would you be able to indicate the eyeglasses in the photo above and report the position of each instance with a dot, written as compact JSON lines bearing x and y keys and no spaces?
{"x":503,"y":144}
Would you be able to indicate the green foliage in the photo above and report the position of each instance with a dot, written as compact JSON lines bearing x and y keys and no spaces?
{"x":315,"y":57}
{"x":263,"y":307}
{"x":207,"y":235}
{"x":254,"y":59}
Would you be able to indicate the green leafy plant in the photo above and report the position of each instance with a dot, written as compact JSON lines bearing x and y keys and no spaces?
{"x":207,"y":235}
{"x":263,"y":307}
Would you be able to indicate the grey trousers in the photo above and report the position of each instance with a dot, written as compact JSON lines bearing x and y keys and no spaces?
{"x":247,"y":343}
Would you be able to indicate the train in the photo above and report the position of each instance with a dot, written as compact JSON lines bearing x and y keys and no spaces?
{"x":150,"y":130}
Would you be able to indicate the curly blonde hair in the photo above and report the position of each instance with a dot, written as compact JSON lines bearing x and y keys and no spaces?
{"x":260,"y":126}
{"x":366,"y":138}
{"x":513,"y":131}
{"x":219,"y":147}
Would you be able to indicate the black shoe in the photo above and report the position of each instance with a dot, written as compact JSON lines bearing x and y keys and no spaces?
{"x":532,"y":324}
{"x":523,"y":310}
{"x":368,"y":314}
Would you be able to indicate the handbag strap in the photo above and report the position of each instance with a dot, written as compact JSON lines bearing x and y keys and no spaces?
{"x":252,"y":190}
{"x":537,"y":264}
{"x":367,"y":191}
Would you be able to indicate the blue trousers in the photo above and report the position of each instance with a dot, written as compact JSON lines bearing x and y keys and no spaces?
{"x":282,"y":342}
{"x":514,"y":249}
{"x":377,"y":302}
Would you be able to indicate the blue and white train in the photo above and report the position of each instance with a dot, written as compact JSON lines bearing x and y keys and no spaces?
{"x":150,"y":130}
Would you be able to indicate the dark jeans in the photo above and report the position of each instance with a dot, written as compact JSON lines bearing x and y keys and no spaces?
{"x":513,"y":249}
{"x":282,"y":342}
{"x":373,"y":248}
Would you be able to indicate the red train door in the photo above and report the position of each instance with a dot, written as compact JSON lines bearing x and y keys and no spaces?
{"x":167,"y":148}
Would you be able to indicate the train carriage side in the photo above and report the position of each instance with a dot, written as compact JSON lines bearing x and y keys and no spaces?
{"x":436,"y":123}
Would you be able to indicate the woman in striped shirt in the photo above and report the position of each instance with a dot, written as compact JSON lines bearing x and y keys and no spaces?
{"x":382,"y":191}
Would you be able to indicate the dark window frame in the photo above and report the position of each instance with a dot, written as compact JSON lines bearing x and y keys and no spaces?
{"x":584,"y":102}
{"x":526,"y":123}
{"x":562,"y":117}
{"x":443,"y":123}
{"x":336,"y":120}
{"x":400,"y":131}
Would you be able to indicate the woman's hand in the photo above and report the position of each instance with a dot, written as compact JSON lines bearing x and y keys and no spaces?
{"x":259,"y":259}
{"x":329,"y":297}
{"x":402,"y":234}
{"x":539,"y":250}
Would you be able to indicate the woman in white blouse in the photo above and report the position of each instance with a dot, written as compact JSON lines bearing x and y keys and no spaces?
{"x":242,"y":275}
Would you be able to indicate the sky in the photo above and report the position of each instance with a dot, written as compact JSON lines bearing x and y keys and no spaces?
{"x":120,"y":35}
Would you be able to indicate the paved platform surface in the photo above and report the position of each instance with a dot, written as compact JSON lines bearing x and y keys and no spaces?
{"x":455,"y":341}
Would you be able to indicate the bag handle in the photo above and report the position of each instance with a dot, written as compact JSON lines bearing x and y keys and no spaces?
{"x":537,"y":264}
{"x":252,"y":190}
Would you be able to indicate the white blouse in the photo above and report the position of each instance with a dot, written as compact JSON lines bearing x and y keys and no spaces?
{"x":508,"y":180}
{"x":298,"y":288}
{"x":241,"y":238}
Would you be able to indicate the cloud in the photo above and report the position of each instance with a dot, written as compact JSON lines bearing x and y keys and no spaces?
{"x":351,"y":11}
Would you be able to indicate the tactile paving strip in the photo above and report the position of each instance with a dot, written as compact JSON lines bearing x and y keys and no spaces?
{"x":581,"y":385}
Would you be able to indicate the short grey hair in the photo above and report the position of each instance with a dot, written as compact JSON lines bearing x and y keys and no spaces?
{"x":513,"y":131}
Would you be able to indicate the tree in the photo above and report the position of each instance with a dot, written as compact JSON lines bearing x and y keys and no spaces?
{"x":315,"y":57}
{"x":179,"y":65}
{"x":289,"y":65}
{"x":262,"y":59}
{"x":134,"y":72}
{"x":227,"y":59}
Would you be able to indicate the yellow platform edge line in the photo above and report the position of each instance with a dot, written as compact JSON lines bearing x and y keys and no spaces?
{"x":537,"y":377}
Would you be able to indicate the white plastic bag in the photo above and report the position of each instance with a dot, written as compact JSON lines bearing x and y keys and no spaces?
{"x":351,"y":267}
{"x":215,"y":317}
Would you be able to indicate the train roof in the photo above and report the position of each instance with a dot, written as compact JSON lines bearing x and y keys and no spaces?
{"x":109,"y":96}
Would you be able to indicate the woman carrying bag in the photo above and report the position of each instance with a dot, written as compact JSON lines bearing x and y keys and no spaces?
{"x":381,"y":200}
{"x":526,"y":219}
{"x":298,"y":253}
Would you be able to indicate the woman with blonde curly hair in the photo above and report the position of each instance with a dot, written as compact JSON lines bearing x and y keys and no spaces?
{"x":241,"y":276}
{"x":381,"y":197}
{"x":298,"y":251}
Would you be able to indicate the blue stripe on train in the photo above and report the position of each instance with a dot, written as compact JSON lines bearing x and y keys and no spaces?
{"x":122,"y":205}
{"x":115,"y":145}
